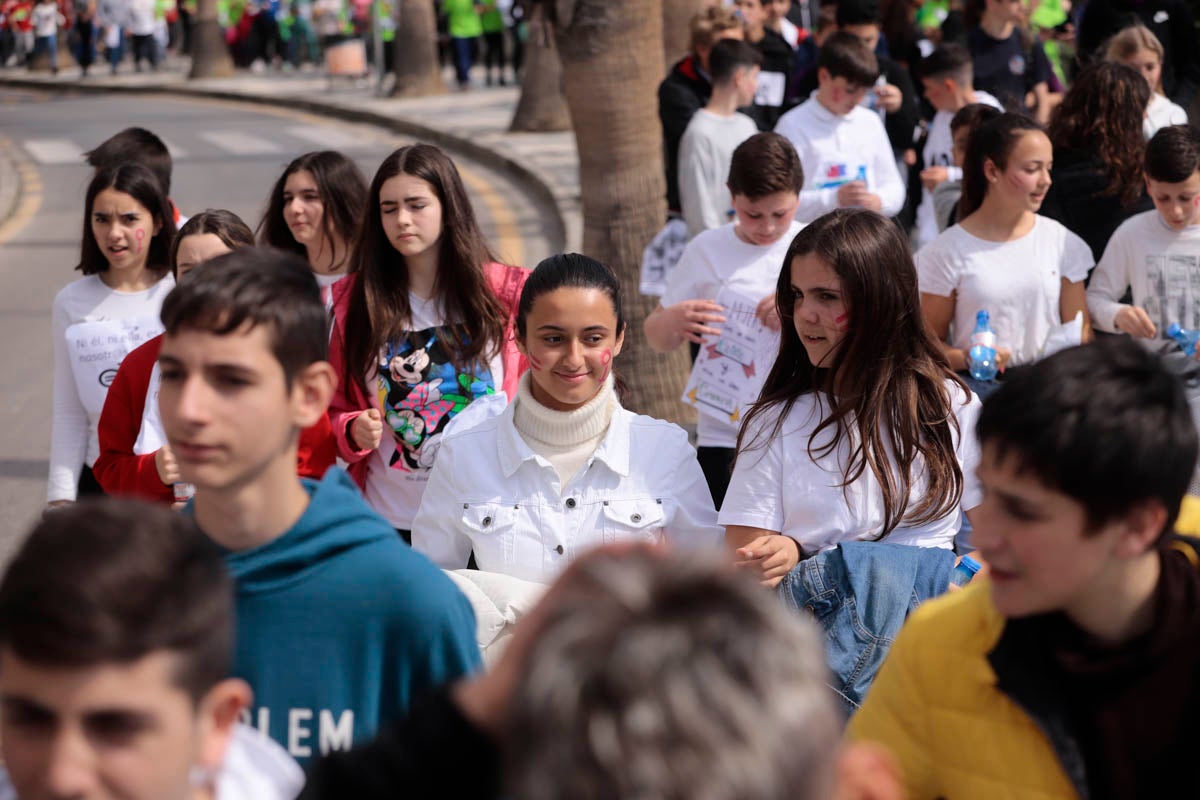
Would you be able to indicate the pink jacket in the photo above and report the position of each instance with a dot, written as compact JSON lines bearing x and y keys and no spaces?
{"x":350,"y":401}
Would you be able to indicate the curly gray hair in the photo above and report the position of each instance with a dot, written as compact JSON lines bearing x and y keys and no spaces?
{"x":659,"y":676}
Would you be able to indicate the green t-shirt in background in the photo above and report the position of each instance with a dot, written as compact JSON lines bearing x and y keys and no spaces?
{"x":464,"y":19}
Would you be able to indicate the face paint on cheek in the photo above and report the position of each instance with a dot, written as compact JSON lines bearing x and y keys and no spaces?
{"x":840,"y":321}
{"x":606,"y":361}
{"x":140,"y":236}
{"x":535,"y":362}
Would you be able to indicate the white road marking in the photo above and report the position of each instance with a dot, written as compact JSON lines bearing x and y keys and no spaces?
{"x":240,"y":144}
{"x":54,"y":151}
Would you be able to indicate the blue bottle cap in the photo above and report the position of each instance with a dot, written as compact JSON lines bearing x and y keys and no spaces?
{"x":1174,"y":330}
{"x":970,"y":564}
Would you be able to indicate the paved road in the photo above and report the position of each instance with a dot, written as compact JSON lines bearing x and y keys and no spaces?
{"x":227,"y":156}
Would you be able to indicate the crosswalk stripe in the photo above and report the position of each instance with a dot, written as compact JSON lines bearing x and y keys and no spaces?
{"x":54,"y":151}
{"x":240,"y":144}
{"x":175,"y":150}
{"x":329,"y":138}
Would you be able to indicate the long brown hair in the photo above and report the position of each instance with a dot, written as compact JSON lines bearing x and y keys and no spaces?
{"x":379,"y":310}
{"x":1102,"y":113}
{"x":343,"y":191}
{"x":887,"y":386}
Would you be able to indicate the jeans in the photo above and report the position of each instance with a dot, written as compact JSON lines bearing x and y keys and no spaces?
{"x":49,"y":44}
{"x":861,"y":593}
{"x":981,"y":388}
{"x":145,"y":47}
{"x":464,"y":56}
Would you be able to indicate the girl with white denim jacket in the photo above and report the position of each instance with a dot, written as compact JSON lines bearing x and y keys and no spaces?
{"x":564,"y":468}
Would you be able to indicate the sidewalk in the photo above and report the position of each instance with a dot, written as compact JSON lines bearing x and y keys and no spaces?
{"x":474,"y":123}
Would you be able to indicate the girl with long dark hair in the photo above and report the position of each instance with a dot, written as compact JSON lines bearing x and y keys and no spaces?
{"x":1098,"y":137}
{"x":862,"y":431}
{"x":127,"y":230}
{"x":314,"y":210}
{"x":564,"y":468}
{"x":423,"y":327}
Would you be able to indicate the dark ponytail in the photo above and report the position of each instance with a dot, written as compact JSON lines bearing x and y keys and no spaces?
{"x":573,"y":271}
{"x":992,"y":141}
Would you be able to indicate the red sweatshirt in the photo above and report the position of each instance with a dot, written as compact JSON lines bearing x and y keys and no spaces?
{"x":121,"y":472}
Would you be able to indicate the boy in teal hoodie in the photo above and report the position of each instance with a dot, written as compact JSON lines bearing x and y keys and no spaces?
{"x":340,"y":624}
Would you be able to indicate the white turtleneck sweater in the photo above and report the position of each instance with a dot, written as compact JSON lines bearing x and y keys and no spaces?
{"x":564,"y":438}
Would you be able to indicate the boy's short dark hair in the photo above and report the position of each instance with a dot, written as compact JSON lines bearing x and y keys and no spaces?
{"x":1106,"y":423}
{"x":972,"y":116}
{"x":845,"y":56}
{"x":764,"y":164}
{"x":111,"y":581}
{"x":951,"y":61}
{"x":255,"y":286}
{"x":134,"y":144}
{"x":730,"y":55}
{"x":1173,"y":154}
{"x":857,"y":12}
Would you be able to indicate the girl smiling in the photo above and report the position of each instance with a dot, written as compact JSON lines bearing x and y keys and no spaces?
{"x":564,"y":468}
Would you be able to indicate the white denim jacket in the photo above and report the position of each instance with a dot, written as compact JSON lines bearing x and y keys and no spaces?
{"x":490,"y":493}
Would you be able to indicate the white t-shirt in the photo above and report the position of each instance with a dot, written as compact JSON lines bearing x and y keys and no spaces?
{"x":1160,"y":265}
{"x":939,"y":152}
{"x":717,"y":259}
{"x":94,"y":328}
{"x":419,"y":394}
{"x":705,"y":152}
{"x":779,"y":487}
{"x":1018,"y":282}
{"x":326,"y":283}
{"x":1160,"y":113}
{"x":835,"y":150}
{"x":45,"y":19}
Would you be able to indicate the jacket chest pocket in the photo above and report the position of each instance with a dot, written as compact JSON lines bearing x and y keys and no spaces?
{"x":492,"y":530}
{"x":637,"y":520}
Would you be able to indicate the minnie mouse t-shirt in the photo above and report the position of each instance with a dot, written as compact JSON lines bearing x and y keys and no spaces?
{"x":418,"y":390}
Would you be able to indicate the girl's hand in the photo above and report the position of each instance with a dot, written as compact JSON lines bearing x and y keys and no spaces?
{"x":1003,"y":355}
{"x":1136,"y":322}
{"x":691,"y":320}
{"x":168,"y":469}
{"x":771,"y":556}
{"x":367,"y":430}
{"x":767,"y":313}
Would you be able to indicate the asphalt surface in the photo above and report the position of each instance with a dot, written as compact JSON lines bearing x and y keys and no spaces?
{"x":226,"y":155}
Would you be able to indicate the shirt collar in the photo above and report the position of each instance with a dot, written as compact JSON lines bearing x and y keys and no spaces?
{"x":613,"y":449}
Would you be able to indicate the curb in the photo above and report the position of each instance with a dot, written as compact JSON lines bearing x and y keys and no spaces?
{"x":527,"y":175}
{"x":10,"y":182}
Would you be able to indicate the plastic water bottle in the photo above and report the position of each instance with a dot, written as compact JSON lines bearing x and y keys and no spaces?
{"x":1187,"y":338}
{"x":965,"y":571}
{"x":981,"y":358}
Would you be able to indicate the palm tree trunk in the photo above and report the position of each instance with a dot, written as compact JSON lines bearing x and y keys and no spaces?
{"x":612,"y":63}
{"x":677,"y":19}
{"x":543,"y":106}
{"x":417,"y":70}
{"x":210,"y":54}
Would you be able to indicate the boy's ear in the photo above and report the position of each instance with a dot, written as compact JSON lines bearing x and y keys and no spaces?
{"x":312,"y":390}
{"x":823,"y":76}
{"x":1143,"y":525}
{"x":218,"y":712}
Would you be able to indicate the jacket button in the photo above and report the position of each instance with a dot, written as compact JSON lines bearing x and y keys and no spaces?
{"x":559,"y":549}
{"x":570,"y":502}
{"x":487,"y":521}
{"x":636,"y":518}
